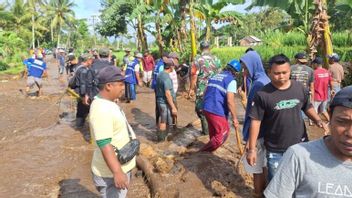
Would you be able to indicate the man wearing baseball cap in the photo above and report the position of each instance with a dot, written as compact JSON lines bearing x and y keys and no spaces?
{"x":321,"y":168}
{"x":336,"y":71}
{"x":110,"y":128}
{"x":165,"y":97}
{"x":83,"y":82}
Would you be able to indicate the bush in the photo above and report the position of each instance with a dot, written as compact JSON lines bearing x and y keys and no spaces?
{"x":12,"y":49}
{"x":3,"y":66}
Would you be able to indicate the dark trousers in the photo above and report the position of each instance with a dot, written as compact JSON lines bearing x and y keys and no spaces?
{"x":82,"y":110}
{"x":157,"y":113}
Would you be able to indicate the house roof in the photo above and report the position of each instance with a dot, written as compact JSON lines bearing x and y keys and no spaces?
{"x":251,"y":39}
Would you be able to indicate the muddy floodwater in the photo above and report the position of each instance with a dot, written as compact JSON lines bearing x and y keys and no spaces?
{"x":43,"y":155}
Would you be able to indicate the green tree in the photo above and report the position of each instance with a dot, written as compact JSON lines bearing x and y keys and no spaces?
{"x":61,"y":12}
{"x":301,"y":11}
{"x":210,"y":11}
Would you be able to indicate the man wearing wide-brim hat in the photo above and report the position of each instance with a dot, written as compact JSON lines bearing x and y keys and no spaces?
{"x":302,"y":73}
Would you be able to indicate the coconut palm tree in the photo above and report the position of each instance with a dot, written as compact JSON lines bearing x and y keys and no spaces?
{"x":61,"y":12}
{"x":19,"y":19}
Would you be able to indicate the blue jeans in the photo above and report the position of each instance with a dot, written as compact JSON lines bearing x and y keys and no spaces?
{"x":273,"y":161}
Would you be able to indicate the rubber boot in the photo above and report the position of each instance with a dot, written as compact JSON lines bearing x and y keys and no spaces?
{"x":79,"y":122}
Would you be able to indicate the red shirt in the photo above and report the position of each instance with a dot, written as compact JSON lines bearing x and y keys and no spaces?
{"x":322,"y":77}
{"x":148,"y":63}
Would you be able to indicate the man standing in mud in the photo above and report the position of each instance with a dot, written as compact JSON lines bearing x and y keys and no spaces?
{"x":219,"y":101}
{"x":276,"y":110}
{"x":321,"y":168}
{"x":165,"y":97}
{"x":83,"y":82}
{"x":159,"y":67}
{"x":204,"y":67}
{"x":133,"y":78}
{"x":110,"y":129}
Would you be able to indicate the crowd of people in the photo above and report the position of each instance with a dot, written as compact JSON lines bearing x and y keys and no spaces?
{"x":283,"y":161}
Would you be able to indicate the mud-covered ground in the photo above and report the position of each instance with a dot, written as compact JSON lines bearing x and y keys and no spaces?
{"x":43,"y":155}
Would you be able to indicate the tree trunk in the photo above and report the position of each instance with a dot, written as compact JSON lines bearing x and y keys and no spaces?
{"x":179,"y":39}
{"x":33,"y":36}
{"x":142,"y":35}
{"x":58,"y":37}
{"x":208,"y":27}
{"x":158,"y":36}
{"x":183,"y":22}
{"x":193,"y":30}
{"x":52,"y":33}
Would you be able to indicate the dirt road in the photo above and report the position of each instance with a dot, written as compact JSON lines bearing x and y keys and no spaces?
{"x":43,"y":155}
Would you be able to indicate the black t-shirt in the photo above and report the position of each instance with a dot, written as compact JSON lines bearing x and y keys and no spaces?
{"x":99,"y":64}
{"x":280,"y":115}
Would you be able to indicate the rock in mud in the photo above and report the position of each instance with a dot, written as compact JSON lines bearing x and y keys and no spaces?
{"x":221,"y":190}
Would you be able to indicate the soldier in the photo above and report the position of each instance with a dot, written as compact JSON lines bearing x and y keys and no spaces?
{"x":204,"y":67}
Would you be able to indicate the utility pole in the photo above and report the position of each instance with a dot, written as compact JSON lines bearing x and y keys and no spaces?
{"x":94,"y":18}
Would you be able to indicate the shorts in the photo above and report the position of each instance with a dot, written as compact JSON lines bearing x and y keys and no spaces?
{"x":164,"y":113}
{"x":320,"y":106}
{"x":147,"y":76}
{"x":31,"y":81}
{"x":106,"y":187}
{"x":261,"y":159}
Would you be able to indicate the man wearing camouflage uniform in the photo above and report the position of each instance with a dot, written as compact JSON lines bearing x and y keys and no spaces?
{"x":204,"y":67}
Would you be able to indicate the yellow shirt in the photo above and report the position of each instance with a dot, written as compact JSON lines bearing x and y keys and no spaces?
{"x":107,"y":120}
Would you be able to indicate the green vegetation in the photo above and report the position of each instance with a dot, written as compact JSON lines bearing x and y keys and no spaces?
{"x":282,"y":25}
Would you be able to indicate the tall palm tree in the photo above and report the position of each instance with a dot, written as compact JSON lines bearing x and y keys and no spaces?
{"x":19,"y":19}
{"x":62,"y":13}
{"x":32,"y":8}
{"x":5,"y":16}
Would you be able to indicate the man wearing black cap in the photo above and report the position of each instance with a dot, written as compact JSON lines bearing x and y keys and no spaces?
{"x":165,"y":97}
{"x":204,"y":67}
{"x":102,"y":61}
{"x":321,"y":86}
{"x":302,"y":73}
{"x":110,"y":129}
{"x":84,"y":84}
{"x":321,"y":168}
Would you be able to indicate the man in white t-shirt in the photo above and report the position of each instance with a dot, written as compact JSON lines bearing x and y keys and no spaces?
{"x":110,"y":129}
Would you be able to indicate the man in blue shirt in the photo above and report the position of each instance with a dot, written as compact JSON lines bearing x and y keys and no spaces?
{"x":36,"y":67}
{"x":218,"y":102}
{"x":159,"y":67}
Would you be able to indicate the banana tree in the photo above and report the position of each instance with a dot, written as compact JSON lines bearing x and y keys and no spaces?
{"x":140,"y":8}
{"x":211,"y":11}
